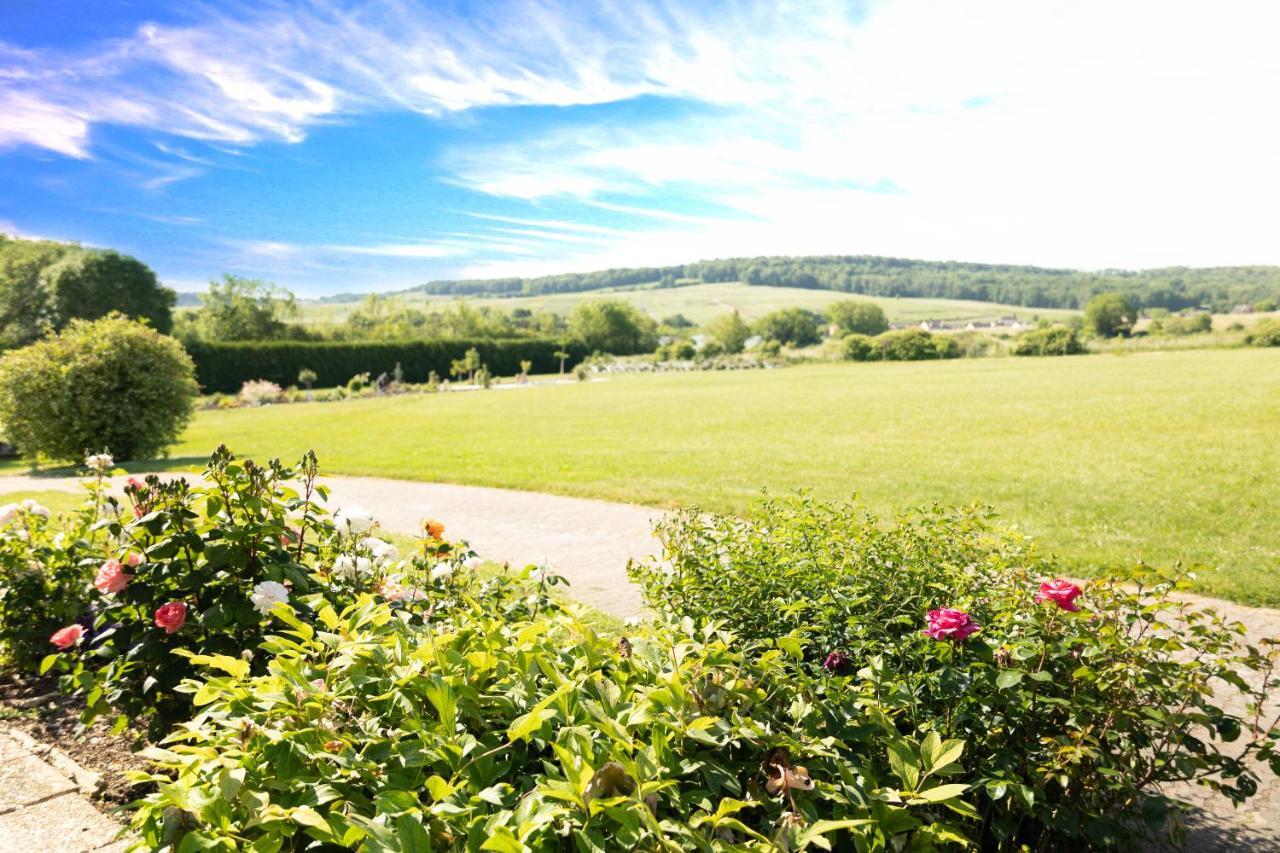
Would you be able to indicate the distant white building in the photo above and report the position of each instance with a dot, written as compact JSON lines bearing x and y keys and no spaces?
{"x":753,"y":342}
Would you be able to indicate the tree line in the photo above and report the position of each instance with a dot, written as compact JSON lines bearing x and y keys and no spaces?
{"x":1172,"y":288}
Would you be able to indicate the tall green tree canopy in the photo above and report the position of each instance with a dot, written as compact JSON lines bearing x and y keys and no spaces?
{"x":859,"y":317}
{"x":614,"y":326}
{"x":1110,"y":314}
{"x":243,"y":309}
{"x":44,"y":285}
{"x":730,"y":331}
{"x":794,"y":326}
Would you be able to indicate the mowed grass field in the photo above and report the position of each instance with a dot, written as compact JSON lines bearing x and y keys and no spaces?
{"x":1104,"y":459}
{"x":703,"y":302}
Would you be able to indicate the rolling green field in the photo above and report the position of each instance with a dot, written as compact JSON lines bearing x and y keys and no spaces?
{"x":1104,"y":459}
{"x":703,"y":302}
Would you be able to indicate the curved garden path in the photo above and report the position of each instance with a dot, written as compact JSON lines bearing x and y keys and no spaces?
{"x":589,"y":542}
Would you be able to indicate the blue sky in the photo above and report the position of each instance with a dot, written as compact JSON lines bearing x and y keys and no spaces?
{"x":375,"y":145}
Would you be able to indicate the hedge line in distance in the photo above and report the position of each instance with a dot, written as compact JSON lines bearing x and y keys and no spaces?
{"x":222,"y":367}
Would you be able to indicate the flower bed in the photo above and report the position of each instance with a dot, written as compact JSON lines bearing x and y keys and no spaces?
{"x":814,"y":678}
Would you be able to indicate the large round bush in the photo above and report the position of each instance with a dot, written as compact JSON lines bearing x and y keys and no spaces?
{"x":111,"y":384}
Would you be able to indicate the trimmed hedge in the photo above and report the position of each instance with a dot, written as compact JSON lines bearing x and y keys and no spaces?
{"x":224,"y":367}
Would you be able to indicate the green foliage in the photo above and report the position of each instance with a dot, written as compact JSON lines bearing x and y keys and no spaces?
{"x":857,"y":347}
{"x":112,"y":384}
{"x":90,"y":284}
{"x":915,"y":345}
{"x":1265,"y":333}
{"x":209,"y":548}
{"x":613,"y":326}
{"x":1192,"y":324}
{"x":510,"y":724}
{"x":1264,"y":306}
{"x":790,"y":326}
{"x":680,"y":350}
{"x":859,"y":317}
{"x":730,"y":331}
{"x":1055,"y":340}
{"x":44,"y":579}
{"x":1075,"y":720}
{"x":307,"y":377}
{"x":224,"y":367}
{"x":44,"y":285}
{"x":242,"y":309}
{"x":1110,"y":315}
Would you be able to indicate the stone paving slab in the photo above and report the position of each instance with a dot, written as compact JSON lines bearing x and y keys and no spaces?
{"x":25,"y":780}
{"x":40,"y":809}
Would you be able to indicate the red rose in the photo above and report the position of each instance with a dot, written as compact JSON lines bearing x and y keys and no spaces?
{"x":112,"y":577}
{"x":65,"y":638}
{"x":171,"y":616}
{"x":950,"y":624}
{"x":1061,"y":592}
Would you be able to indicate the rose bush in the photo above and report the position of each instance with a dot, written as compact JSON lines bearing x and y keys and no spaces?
{"x":1079,"y":703}
{"x":195,"y":567}
{"x":506,"y":722}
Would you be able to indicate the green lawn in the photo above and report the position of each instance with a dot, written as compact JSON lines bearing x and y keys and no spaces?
{"x":1103,"y":458}
{"x":703,"y":302}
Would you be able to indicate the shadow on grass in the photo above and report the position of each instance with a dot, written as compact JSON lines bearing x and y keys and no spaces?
{"x":34,"y":469}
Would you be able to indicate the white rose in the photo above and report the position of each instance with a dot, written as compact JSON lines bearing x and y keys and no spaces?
{"x":474,"y":563}
{"x":442,"y":571}
{"x":8,"y":513}
{"x":99,"y":462}
{"x":353,"y":519}
{"x":267,"y":595}
{"x":350,"y":567}
{"x":383,"y":552}
{"x":35,"y":508}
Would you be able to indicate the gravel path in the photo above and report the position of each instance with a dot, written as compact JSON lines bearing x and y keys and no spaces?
{"x":589,"y":542}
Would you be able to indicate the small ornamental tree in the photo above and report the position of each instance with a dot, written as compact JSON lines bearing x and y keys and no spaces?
{"x":112,"y":383}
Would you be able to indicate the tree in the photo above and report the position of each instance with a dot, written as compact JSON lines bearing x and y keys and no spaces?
{"x":111,"y":384}
{"x":859,"y":317}
{"x":730,"y":331}
{"x":44,"y":285}
{"x":26,"y":311}
{"x":243,"y":309}
{"x":1109,"y":315}
{"x":89,"y":284}
{"x":794,"y":326}
{"x":468,"y":364}
{"x":614,"y":327}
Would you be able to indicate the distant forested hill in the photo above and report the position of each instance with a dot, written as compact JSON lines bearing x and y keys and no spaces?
{"x":1220,"y":288}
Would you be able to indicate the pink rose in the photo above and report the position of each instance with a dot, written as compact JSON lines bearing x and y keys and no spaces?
{"x":65,"y":638}
{"x":171,"y":616}
{"x":134,"y":483}
{"x":112,"y":577}
{"x":134,"y":560}
{"x":950,"y":624}
{"x":1061,"y":592}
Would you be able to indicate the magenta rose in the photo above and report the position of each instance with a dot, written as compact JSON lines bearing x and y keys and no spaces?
{"x":171,"y":616}
{"x":950,"y":624}
{"x":1061,"y":592}
{"x":835,"y":661}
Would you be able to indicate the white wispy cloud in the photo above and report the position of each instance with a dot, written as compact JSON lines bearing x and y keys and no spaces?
{"x":1087,"y":132}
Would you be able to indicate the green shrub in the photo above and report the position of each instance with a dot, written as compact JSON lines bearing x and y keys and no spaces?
{"x":1109,"y":315}
{"x":225,"y":366}
{"x":1264,"y":306}
{"x":856,"y":347}
{"x":505,"y":726}
{"x":109,"y":384}
{"x":1265,"y":333}
{"x":795,"y":327}
{"x":1057,"y":340}
{"x":1075,"y":720}
{"x":914,"y":345}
